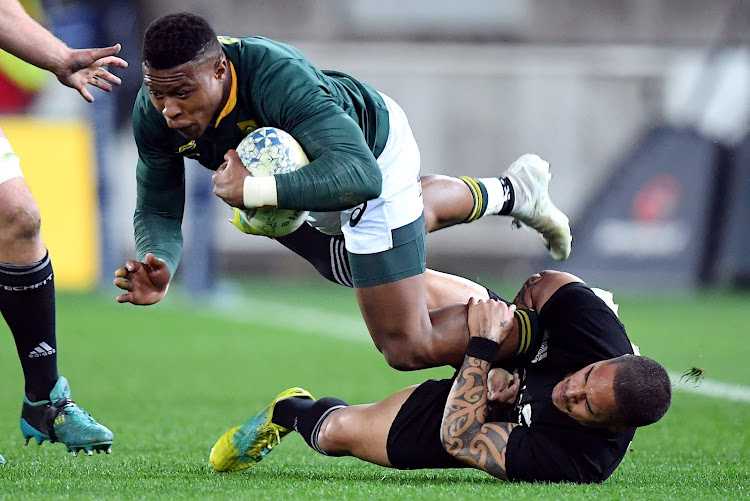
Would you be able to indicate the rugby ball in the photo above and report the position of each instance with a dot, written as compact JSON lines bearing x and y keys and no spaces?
{"x":265,"y":152}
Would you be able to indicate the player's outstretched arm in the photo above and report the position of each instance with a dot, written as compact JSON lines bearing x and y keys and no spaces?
{"x":25,"y":38}
{"x":87,"y":66}
{"x":464,"y":432}
{"x":145,"y":282}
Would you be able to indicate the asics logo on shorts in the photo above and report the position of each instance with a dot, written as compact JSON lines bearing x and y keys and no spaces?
{"x":357,"y":214}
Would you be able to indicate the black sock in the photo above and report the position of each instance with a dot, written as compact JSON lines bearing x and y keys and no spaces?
{"x":305,"y":416}
{"x":27,"y":302}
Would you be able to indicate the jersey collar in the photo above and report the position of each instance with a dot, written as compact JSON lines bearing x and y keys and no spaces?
{"x":232,"y":101}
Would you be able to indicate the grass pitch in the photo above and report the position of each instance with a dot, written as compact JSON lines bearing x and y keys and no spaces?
{"x":170,"y":379}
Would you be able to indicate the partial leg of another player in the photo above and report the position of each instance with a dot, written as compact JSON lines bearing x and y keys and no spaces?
{"x":27,"y":302}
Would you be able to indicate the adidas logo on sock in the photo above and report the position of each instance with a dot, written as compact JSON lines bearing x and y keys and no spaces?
{"x":42,"y":350}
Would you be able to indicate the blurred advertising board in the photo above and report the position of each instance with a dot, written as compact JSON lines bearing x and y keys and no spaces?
{"x":57,"y":159}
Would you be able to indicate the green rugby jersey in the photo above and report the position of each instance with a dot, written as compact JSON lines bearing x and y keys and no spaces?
{"x":341,"y":123}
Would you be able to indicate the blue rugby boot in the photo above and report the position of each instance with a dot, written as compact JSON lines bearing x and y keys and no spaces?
{"x":244,"y":446}
{"x":59,"y":419}
{"x":2,"y":459}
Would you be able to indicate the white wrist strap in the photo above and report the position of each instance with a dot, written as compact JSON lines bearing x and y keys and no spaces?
{"x":259,"y":191}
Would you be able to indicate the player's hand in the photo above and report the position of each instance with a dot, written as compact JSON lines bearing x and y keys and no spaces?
{"x":490,"y":319}
{"x":146,"y":283}
{"x":86,"y":66}
{"x":502,"y":387}
{"x":229,"y":180}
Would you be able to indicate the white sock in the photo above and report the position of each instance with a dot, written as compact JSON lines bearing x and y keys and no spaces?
{"x":496,"y":195}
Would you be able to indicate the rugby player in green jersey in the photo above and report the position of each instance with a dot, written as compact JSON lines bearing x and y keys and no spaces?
{"x":202,"y":94}
{"x":27,"y":284}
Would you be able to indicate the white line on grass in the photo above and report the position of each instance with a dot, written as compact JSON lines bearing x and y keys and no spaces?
{"x":348,"y":328}
{"x":300,"y":318}
{"x":711,"y":388}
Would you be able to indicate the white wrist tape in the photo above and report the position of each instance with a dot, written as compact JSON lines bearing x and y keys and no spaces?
{"x":10,"y":165}
{"x":259,"y":191}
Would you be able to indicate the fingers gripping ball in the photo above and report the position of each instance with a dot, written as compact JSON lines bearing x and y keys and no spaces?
{"x":265,"y":152}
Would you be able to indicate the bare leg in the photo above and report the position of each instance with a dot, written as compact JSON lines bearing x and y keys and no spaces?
{"x":20,"y":239}
{"x":362,"y":430}
{"x":408,"y":334}
{"x":444,"y":289}
{"x":27,"y":299}
{"x":447,"y":201}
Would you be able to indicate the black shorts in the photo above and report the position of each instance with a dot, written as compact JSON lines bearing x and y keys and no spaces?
{"x":414,"y":437}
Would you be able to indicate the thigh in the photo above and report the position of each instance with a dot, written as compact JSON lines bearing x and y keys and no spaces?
{"x":15,"y":194}
{"x":405,"y":258}
{"x":396,"y":313}
{"x":444,"y":289}
{"x":10,"y":170}
{"x":414,"y":436}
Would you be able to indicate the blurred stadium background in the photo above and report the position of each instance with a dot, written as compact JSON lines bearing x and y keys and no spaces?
{"x":641,"y":107}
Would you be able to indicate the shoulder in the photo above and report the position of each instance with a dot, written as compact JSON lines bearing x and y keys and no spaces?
{"x":577,"y":319}
{"x":259,"y":50}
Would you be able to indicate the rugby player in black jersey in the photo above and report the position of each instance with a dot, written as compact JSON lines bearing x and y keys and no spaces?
{"x":550,"y":389}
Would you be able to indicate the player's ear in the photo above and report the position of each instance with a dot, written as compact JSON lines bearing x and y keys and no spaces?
{"x":221,"y":68}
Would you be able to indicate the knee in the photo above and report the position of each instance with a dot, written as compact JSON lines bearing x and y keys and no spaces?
{"x":21,"y":220}
{"x":405,"y":349}
{"x":335,"y":435}
{"x":405,"y":356}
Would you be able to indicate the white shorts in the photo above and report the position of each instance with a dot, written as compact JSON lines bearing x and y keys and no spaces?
{"x":10,"y":166}
{"x":368,"y":227}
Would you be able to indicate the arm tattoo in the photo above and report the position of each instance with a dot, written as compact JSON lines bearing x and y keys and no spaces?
{"x":464,"y":433}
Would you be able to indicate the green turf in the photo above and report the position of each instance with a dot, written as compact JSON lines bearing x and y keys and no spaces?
{"x":168,"y":380}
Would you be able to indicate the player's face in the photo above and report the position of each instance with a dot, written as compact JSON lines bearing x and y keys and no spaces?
{"x":588,"y":395}
{"x":189,"y":96}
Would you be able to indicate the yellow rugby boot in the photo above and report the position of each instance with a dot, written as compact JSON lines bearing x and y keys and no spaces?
{"x":243,"y":446}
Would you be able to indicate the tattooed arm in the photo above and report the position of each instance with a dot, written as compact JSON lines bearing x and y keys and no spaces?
{"x":464,"y":433}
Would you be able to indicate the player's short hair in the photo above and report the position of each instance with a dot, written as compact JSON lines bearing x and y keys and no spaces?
{"x":643,"y":390}
{"x":178,"y":38}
